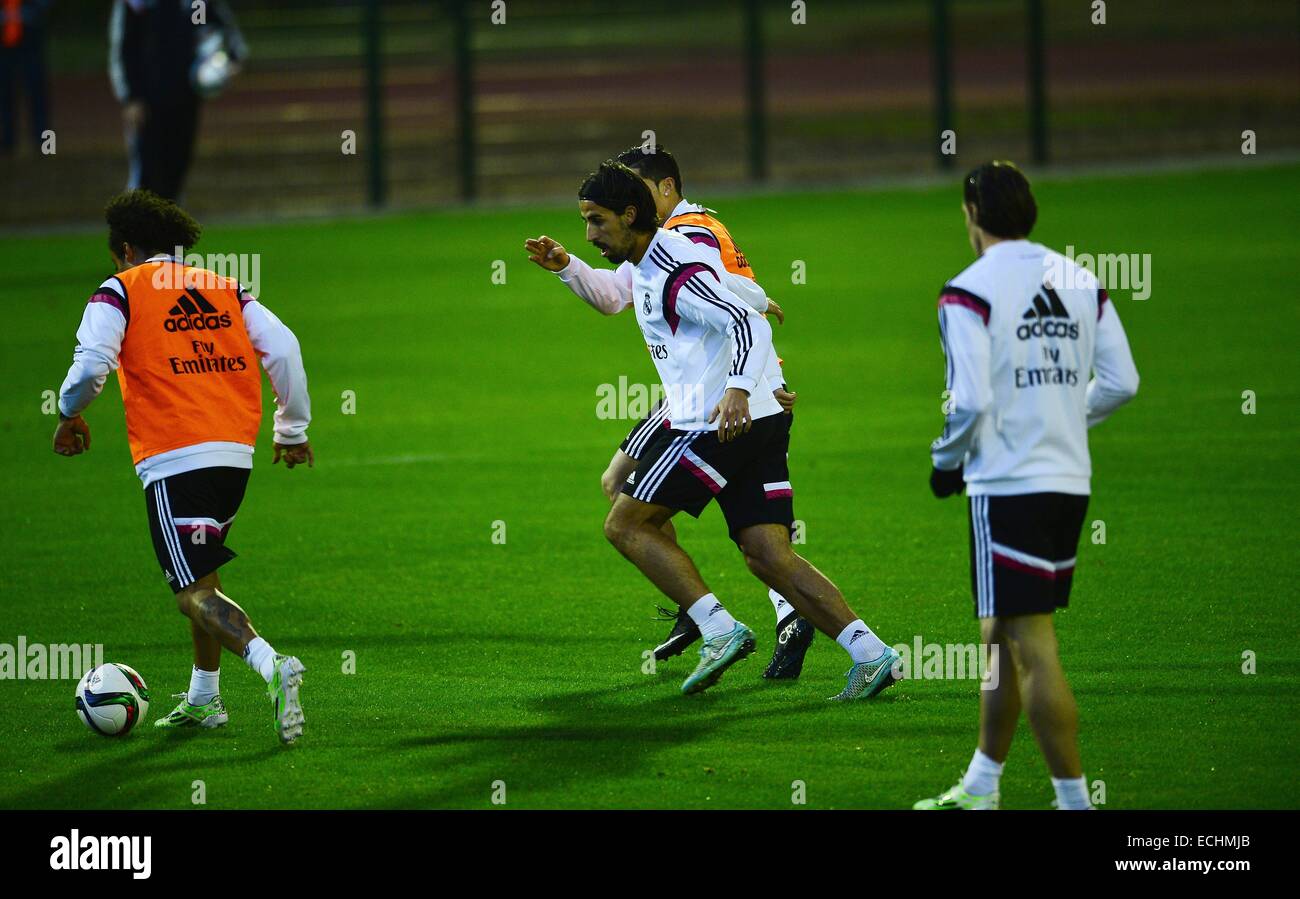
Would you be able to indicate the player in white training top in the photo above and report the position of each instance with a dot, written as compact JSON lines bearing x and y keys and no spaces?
{"x":728,"y":438}
{"x":610,"y":292}
{"x":1036,"y":355}
{"x":659,"y":170}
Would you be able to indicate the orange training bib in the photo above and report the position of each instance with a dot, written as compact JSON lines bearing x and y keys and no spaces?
{"x":188,"y":371}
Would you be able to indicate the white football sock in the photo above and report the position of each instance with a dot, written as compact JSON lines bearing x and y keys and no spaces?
{"x":260,"y":657}
{"x":710,"y":617}
{"x":1071,"y":792}
{"x":203,"y":686}
{"x":982,"y":775}
{"x":782,"y":607}
{"x":860,"y":642}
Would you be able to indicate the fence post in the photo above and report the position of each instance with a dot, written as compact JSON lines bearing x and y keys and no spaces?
{"x":464,"y":51}
{"x":756,"y":90}
{"x":1037,"y":69}
{"x":372,"y":27}
{"x":941,"y":65}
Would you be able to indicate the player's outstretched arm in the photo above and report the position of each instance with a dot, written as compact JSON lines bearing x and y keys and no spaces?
{"x":605,"y":291}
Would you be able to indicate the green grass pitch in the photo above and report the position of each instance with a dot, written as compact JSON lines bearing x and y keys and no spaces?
{"x":520,"y":662}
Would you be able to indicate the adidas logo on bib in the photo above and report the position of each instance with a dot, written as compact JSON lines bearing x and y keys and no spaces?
{"x":193,"y":312}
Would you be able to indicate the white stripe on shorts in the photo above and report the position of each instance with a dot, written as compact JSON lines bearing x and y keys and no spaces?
{"x":983,"y":586}
{"x":162,"y":526}
{"x":1025,"y":558}
{"x":712,"y":473}
{"x":660,"y":469}
{"x":664,"y":465}
{"x":184,"y":576}
{"x":990,"y":597}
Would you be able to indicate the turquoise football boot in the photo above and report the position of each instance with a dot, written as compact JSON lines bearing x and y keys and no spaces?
{"x":868,"y":679}
{"x":717,"y":655}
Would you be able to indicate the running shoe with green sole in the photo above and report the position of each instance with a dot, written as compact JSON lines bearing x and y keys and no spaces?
{"x":717,"y":655}
{"x":957,"y":799}
{"x":212,"y":714}
{"x":868,"y":679}
{"x":283,"y":693}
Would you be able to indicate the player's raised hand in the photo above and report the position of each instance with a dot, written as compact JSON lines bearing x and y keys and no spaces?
{"x":544,"y":251}
{"x":786,"y":398}
{"x":294,"y":454}
{"x":72,"y":436}
{"x":773,"y":308}
{"x":732,"y":414}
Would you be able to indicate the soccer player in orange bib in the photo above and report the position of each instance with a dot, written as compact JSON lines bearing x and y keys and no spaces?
{"x":185,"y":343}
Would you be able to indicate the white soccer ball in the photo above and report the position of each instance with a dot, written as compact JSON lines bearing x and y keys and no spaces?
{"x":112,"y":699}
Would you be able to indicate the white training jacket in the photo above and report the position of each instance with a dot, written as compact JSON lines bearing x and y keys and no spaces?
{"x":1023,"y":328}
{"x":701,"y":324}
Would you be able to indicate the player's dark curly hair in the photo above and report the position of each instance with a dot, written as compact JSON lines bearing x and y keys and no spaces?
{"x":616,"y":187}
{"x":656,"y":164}
{"x":146,"y":221}
{"x":1004,"y":204}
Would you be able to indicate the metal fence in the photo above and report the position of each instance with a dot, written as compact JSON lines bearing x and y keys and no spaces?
{"x":514,"y":100}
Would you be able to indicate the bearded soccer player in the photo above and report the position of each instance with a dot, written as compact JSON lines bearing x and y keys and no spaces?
{"x":661,"y":174}
{"x":711,"y":350}
{"x":1022,"y":327}
{"x":659,"y":170}
{"x":185,"y":343}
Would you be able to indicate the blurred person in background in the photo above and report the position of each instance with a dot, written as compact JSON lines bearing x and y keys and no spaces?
{"x":165,"y":58}
{"x":22,"y":56}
